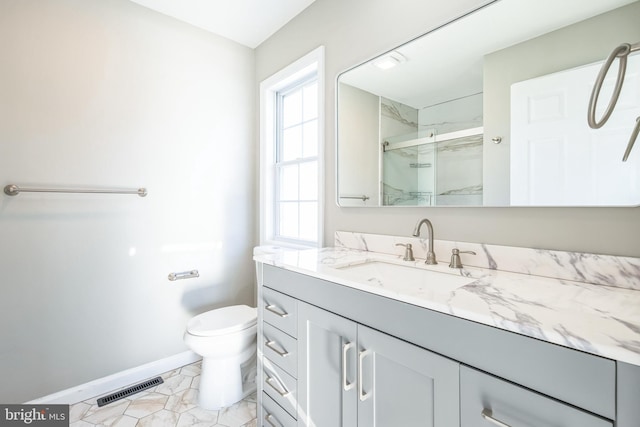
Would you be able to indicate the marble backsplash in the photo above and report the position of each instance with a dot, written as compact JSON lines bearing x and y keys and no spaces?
{"x":607,"y":270}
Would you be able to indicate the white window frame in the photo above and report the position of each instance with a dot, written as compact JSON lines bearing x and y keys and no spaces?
{"x":313,"y":61}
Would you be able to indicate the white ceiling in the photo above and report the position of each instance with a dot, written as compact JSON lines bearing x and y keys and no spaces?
{"x":248,"y":22}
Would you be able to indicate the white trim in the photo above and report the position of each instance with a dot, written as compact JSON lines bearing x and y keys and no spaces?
{"x":118,"y":380}
{"x":321,"y":143}
{"x":314,"y":60}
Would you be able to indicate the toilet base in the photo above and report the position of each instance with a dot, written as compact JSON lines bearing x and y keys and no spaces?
{"x":220,"y":383}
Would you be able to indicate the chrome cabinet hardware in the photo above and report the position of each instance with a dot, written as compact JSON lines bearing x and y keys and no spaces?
{"x":408,"y":252}
{"x":345,"y":349}
{"x":279,"y":352}
{"x":487,"y":414}
{"x":280,"y":389}
{"x":455,"y":257}
{"x":276,"y":310}
{"x":268,"y":418}
{"x":361,"y":394}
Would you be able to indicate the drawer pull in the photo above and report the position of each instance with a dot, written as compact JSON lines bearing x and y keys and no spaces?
{"x":487,"y":414}
{"x":345,"y":350}
{"x":268,"y":418}
{"x":279,"y":352}
{"x":271,"y":380}
{"x":362,"y":395}
{"x":276,"y":310}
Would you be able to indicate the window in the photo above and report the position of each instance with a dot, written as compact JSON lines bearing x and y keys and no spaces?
{"x":291,"y":153}
{"x":296,"y":164}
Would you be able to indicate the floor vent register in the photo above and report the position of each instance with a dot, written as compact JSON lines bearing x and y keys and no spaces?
{"x":129,"y":391}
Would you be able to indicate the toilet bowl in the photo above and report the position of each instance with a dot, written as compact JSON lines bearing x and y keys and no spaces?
{"x":226,"y":339}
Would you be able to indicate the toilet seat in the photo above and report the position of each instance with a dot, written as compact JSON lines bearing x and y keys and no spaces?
{"x":223,"y":321}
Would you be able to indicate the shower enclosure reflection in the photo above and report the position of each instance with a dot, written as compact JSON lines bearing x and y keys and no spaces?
{"x":433,"y":170}
{"x":518,"y":93}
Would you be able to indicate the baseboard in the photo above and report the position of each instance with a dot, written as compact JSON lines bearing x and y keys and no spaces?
{"x":118,"y":380}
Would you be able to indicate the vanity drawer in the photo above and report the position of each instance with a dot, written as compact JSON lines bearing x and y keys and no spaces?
{"x":274,"y":415}
{"x":487,"y":401}
{"x":280,"y":348}
{"x":279,"y":310}
{"x":280,"y":386}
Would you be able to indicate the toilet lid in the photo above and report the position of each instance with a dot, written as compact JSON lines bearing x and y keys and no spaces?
{"x":222,"y":321}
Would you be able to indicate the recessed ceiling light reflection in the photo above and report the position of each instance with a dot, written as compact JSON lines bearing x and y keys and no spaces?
{"x":389,"y":60}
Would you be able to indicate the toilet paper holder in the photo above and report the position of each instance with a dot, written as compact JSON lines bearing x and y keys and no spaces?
{"x":183,"y":275}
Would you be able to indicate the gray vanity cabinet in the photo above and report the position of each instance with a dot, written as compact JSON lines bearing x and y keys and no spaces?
{"x":277,"y":350}
{"x":404,"y":385}
{"x":356,"y":359}
{"x":352,"y":375}
{"x":326,"y":368}
{"x":489,"y":401}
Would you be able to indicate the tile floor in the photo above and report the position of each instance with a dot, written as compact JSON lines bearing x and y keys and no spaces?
{"x":171,"y":404}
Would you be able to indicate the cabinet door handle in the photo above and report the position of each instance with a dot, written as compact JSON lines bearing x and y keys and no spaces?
{"x":361,"y":394}
{"x":279,"y":352}
{"x":268,"y":418}
{"x":487,"y":414}
{"x":276,"y":310}
{"x":270,"y":380}
{"x":345,"y":349}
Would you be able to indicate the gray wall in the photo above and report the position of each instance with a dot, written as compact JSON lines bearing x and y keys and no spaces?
{"x":110,"y":94}
{"x":355,"y":31}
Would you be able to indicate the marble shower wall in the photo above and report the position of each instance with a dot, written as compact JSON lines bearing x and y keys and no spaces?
{"x":459,"y":162}
{"x":452,"y":116}
{"x":459,"y":171}
{"x":407,"y":173}
{"x":398,"y":122}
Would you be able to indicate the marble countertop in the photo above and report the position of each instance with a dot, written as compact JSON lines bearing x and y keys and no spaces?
{"x":596,"y":319}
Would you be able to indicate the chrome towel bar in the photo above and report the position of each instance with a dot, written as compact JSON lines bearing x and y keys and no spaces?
{"x":621,"y":52}
{"x":14,"y":190}
{"x":364,"y":197}
{"x":183,"y":275}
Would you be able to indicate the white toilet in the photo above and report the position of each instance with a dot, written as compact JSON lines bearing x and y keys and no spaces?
{"x":226,"y":339}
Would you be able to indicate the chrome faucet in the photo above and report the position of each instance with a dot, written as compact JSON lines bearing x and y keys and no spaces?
{"x":431,"y":256}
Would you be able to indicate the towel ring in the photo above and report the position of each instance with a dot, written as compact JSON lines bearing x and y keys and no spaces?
{"x":621,"y":52}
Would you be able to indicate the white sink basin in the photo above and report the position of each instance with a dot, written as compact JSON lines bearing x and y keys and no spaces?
{"x":404,"y":277}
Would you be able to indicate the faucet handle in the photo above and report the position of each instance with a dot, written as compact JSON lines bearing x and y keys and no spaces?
{"x":455,"y":257}
{"x":408,"y":253}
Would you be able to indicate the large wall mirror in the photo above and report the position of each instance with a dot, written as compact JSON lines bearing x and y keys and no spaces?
{"x":491,"y":110}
